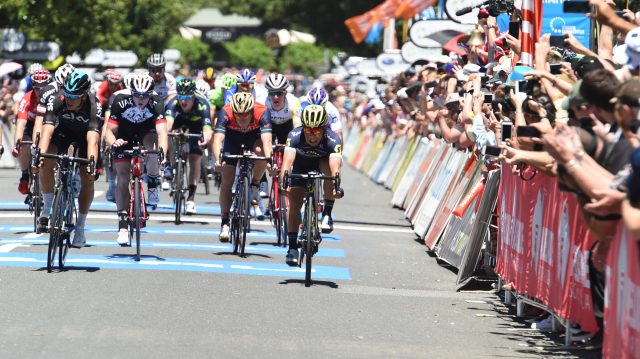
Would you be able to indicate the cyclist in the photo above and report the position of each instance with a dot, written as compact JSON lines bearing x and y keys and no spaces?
{"x":282,"y":106}
{"x":24,"y":124}
{"x":49,"y":93}
{"x":136,"y":117}
{"x":112,"y":83}
{"x":190,"y":110}
{"x":245,"y":82}
{"x":164,"y":83}
{"x":247,"y":123}
{"x":217,"y":96}
{"x":318,"y":96}
{"x":311,"y":147}
{"x":74,"y":117}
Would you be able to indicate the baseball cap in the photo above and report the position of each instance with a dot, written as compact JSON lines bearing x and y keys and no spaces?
{"x":586,"y":64}
{"x":469,"y":69}
{"x":632,"y":40}
{"x":628,"y":93}
{"x":452,"y":97}
{"x":574,"y":98}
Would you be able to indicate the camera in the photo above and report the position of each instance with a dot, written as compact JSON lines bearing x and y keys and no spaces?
{"x":497,"y":7}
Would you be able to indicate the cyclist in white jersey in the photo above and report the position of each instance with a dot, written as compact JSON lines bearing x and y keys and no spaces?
{"x":318,"y":96}
{"x":164,"y":83}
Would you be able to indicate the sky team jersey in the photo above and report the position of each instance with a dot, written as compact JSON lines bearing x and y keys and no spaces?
{"x":291,"y":106}
{"x":27,"y":108}
{"x":74,"y":124}
{"x":166,"y":87}
{"x":334,"y":115}
{"x":49,"y":93}
{"x":261,"y":120}
{"x":198,"y":118}
{"x":329,"y":145}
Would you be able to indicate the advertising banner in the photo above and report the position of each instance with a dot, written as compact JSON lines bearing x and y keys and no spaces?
{"x":556,"y":22}
{"x":543,"y":246}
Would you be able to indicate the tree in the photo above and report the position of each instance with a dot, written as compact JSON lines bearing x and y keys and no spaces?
{"x":192,"y":52}
{"x":324,"y":19}
{"x":301,"y":57}
{"x":250,"y":52}
{"x":80,"y":25}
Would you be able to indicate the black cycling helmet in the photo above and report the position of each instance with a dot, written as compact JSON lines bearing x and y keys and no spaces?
{"x":77,"y":84}
{"x":186,"y":86}
{"x":156,"y":60}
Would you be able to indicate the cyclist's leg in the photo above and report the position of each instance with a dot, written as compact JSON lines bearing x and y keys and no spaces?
{"x":150,"y":140}
{"x":195,"y":155}
{"x":85,"y":199}
{"x":296,"y":196}
{"x":47,"y":181}
{"x":122,"y":167}
{"x":329,"y":198}
{"x":259,"y":174}
{"x":23,"y":161}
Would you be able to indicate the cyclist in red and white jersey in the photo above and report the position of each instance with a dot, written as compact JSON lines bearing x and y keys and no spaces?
{"x":27,"y":111}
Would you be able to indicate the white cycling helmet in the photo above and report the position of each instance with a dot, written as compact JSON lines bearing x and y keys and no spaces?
{"x":62,"y":72}
{"x":128,"y":78}
{"x":277,"y":82}
{"x":35,"y":67}
{"x":142,"y":83}
{"x":202,"y":87}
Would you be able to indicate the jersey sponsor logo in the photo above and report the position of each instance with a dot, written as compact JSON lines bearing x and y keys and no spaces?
{"x":202,"y":107}
{"x":50,"y":103}
{"x":23,"y":104}
{"x":72,"y":116}
{"x":136,"y":115}
{"x":126,"y":102}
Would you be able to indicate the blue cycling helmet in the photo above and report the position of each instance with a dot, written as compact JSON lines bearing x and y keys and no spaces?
{"x":317,"y":96}
{"x":77,"y":83}
{"x":246,"y":76}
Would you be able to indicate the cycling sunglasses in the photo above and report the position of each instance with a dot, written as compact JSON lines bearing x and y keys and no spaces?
{"x":276,"y":93}
{"x":316,"y":131}
{"x":156,"y":69}
{"x":71,"y":96}
{"x":185,"y":97}
{"x":243,"y":116}
{"x":141,"y":94}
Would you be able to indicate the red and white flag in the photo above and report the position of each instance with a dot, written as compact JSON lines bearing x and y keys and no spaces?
{"x":531,"y":24}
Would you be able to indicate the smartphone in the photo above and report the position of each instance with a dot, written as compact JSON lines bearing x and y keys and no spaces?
{"x":514,"y":29}
{"x":528,"y":131}
{"x":483,"y":80}
{"x":506,"y":130}
{"x":555,"y":69}
{"x":493,"y":151}
{"x":557,"y":41}
{"x":576,"y":7}
{"x":621,"y":14}
{"x":520,"y":86}
{"x":488,"y":98}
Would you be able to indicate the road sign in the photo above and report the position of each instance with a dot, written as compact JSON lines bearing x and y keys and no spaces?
{"x":35,"y":51}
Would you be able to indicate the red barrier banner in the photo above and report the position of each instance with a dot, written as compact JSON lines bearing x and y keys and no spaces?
{"x":622,"y":303}
{"x":544,"y":246}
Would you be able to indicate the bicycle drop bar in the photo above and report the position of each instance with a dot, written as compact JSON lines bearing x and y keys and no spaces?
{"x":182,"y":135}
{"x":70,"y":159}
{"x":140,"y":151}
{"x":250,"y":156}
{"x":312,"y":176}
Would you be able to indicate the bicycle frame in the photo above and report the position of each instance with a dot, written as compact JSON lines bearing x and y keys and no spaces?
{"x":277,"y":201}
{"x":180,"y":178}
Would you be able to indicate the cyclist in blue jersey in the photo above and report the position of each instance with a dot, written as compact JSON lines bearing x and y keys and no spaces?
{"x":191,"y":111}
{"x":310,"y":147}
{"x":318,"y":96}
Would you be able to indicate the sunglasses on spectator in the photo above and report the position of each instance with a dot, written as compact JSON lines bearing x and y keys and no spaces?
{"x":71,"y":96}
{"x":276,"y":93}
{"x":316,"y":131}
{"x":141,"y":94}
{"x":185,"y":97}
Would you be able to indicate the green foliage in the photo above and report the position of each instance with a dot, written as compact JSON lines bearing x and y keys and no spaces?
{"x":80,"y":25}
{"x":301,"y":57}
{"x":250,"y":52}
{"x":192,"y":51}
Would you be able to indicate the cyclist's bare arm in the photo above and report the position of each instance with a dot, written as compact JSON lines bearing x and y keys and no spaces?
{"x":287,"y":161}
{"x":266,"y":144}
{"x":110,"y":134}
{"x":218,"y":140}
{"x":163,"y":138}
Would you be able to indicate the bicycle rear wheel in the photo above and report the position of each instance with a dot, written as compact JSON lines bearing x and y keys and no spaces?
{"x":282,"y":215}
{"x":244,"y":214}
{"x":309,"y":238}
{"x":178,"y":195}
{"x":68,"y":223}
{"x":137,"y":214}
{"x":36,"y":201}
{"x":204,"y":173}
{"x":56,"y":229}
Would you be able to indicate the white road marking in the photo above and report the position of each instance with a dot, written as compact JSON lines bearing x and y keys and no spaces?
{"x":97,"y":194}
{"x":32,"y":235}
{"x":6,"y":248}
{"x":196,"y":219}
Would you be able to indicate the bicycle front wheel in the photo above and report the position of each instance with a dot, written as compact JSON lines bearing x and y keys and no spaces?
{"x":244,"y":214}
{"x":204,"y":173}
{"x":178,"y":194}
{"x":309,"y":238}
{"x":137,"y":214}
{"x":36,"y":202}
{"x":69,"y":212}
{"x":55,"y":235}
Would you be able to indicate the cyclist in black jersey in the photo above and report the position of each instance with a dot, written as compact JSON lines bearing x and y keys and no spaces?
{"x":191,"y":111}
{"x":310,"y":147}
{"x":138,"y":117}
{"x":74,"y":117}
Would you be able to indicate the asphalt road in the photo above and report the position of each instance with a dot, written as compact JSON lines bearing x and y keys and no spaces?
{"x":377,"y":293}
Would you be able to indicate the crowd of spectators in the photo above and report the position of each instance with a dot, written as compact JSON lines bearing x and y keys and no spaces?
{"x":574,"y":115}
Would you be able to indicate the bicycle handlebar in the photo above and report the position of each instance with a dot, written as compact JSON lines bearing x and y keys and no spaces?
{"x":248,"y":155}
{"x":186,"y":135}
{"x":312,"y":176}
{"x":141,"y":151}
{"x":69,"y":159}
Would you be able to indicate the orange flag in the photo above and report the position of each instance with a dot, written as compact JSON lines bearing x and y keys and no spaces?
{"x":409,"y":8}
{"x":360,"y":25}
